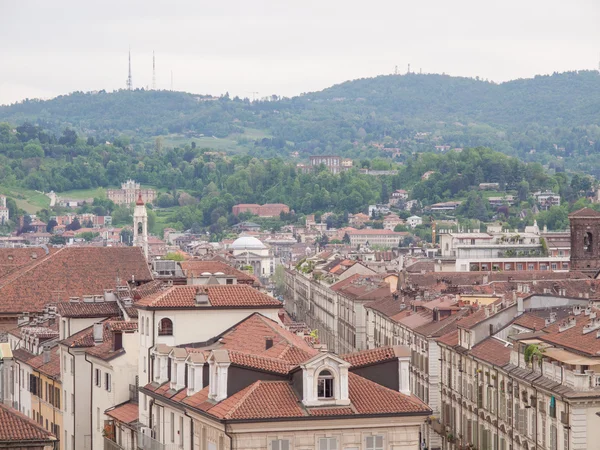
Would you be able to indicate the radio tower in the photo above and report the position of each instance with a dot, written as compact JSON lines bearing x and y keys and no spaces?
{"x":153,"y":72}
{"x":129,"y":80}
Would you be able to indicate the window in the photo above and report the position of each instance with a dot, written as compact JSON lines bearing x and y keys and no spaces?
{"x":98,"y":377}
{"x":107,"y":381}
{"x":229,"y":281}
{"x":374,"y":443}
{"x":325,"y":385}
{"x":144,"y":359}
{"x":191,"y":378}
{"x":280,"y":444}
{"x":98,"y":418}
{"x":65,"y":407}
{"x":73,"y":405}
{"x":142,"y":331}
{"x":329,"y":443}
{"x":165,"y":327}
{"x":147,"y":326}
{"x":172,"y":427}
{"x":181,"y":431}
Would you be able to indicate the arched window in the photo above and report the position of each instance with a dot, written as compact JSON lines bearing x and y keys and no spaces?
{"x":325,"y":385}
{"x":588,"y":242}
{"x":140,"y":228}
{"x":165,"y":327}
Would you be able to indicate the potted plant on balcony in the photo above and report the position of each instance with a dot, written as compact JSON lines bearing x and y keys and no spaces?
{"x":533,"y":352}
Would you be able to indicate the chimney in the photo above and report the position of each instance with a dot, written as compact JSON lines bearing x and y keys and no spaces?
{"x":281,"y":316}
{"x":201,"y":296}
{"x":46,"y":357}
{"x":98,"y":333}
{"x":520,"y":307}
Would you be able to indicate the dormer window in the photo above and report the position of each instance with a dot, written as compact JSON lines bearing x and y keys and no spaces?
{"x":325,"y":385}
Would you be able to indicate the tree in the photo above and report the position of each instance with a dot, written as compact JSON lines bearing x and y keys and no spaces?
{"x":346,"y":238}
{"x":523,"y":191}
{"x":68,"y":138}
{"x":50,"y":225}
{"x":74,"y":225}
{"x":32,"y":150}
{"x":174,"y":256}
{"x":57,"y":240}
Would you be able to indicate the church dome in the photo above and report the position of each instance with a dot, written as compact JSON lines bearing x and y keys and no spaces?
{"x":247,"y":242}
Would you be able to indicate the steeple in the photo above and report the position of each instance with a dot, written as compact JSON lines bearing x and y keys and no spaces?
{"x":140,"y":225}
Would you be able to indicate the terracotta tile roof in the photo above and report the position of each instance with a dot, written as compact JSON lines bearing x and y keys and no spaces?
{"x":329,"y":411}
{"x":51,"y":368}
{"x":197,"y":267}
{"x":70,"y":272}
{"x":249,"y":336}
{"x":15,"y":427}
{"x":260,"y":400}
{"x":372,"y":356}
{"x":88,"y":309}
{"x":584,"y":213}
{"x":259,"y":362}
{"x":450,"y":339}
{"x":12,"y":259}
{"x":473,"y":318}
{"x":125,"y":413}
{"x":531,"y":321}
{"x":22,"y":355}
{"x":573,"y":338}
{"x":104,"y":350}
{"x":493,"y":351}
{"x":147,"y":289}
{"x":230,"y":296}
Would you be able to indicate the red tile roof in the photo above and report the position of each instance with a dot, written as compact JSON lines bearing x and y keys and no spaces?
{"x":198,"y":267}
{"x":229,"y":296}
{"x":104,"y":350}
{"x":493,"y":351}
{"x":368,"y":357}
{"x":15,"y":427}
{"x":260,"y":400}
{"x":70,"y":272}
{"x":88,"y":309}
{"x":259,"y":362}
{"x":125,"y":413}
{"x":51,"y":368}
{"x":531,"y":321}
{"x":450,"y":339}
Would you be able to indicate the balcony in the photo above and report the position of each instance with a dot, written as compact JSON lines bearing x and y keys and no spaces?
{"x":111,"y":445}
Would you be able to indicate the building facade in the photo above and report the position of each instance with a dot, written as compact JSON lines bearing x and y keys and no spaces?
{"x":129,"y":193}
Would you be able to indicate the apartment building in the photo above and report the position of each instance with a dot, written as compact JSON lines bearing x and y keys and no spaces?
{"x":376,"y":238}
{"x":259,"y":386}
{"x":522,"y":376}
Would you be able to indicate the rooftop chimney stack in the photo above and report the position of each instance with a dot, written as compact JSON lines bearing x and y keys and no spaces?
{"x":201,"y":296}
{"x":98,"y":333}
{"x":46,"y":357}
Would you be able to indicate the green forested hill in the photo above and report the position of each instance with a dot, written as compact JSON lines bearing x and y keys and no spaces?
{"x":551,"y":119}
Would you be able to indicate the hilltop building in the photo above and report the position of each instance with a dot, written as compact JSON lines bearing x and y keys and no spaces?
{"x":266,"y":210}
{"x":129,"y":193}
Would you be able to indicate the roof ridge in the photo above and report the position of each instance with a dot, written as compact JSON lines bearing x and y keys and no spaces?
{"x":241,"y":401}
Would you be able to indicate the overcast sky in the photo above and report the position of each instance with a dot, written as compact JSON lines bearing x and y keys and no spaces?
{"x":283,"y":47}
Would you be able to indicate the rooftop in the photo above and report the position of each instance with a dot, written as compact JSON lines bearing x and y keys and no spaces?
{"x":16,"y":427}
{"x":219,"y":296}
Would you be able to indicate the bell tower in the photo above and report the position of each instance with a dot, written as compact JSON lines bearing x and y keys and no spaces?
{"x":140,"y":225}
{"x":585,"y":240}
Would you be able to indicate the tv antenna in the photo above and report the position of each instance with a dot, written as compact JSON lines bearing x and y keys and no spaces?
{"x":129,"y":79}
{"x":153,"y":72}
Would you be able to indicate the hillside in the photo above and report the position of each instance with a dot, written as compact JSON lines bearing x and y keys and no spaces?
{"x":550,"y":119}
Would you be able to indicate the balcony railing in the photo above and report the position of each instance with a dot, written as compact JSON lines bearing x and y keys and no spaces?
{"x":145,"y":442}
{"x":111,"y":445}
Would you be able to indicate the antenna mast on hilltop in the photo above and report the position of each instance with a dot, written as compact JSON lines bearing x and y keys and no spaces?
{"x":408,"y":68}
{"x":129,"y":80}
{"x":153,"y":72}
{"x":396,"y":70}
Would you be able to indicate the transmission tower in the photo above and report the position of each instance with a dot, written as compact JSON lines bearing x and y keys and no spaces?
{"x":153,"y":72}
{"x":129,"y":80}
{"x":396,"y":70}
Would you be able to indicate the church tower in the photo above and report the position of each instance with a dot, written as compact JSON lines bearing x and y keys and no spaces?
{"x":140,"y":225}
{"x":585,"y":240}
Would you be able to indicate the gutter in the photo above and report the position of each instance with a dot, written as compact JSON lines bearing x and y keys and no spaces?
{"x":73,"y":393}
{"x":91,"y":400}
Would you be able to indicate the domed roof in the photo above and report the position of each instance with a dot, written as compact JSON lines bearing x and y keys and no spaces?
{"x":247,"y":242}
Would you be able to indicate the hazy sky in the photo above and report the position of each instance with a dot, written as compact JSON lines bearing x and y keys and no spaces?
{"x":284,"y":47}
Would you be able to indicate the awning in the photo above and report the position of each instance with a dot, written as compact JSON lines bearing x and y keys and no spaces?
{"x":570,"y":358}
